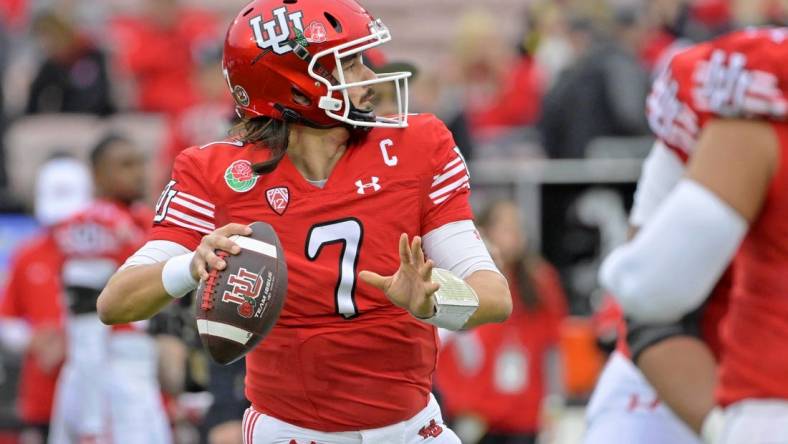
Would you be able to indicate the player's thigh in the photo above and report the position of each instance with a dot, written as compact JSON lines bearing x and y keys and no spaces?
{"x":637,"y":428}
{"x":756,"y":422}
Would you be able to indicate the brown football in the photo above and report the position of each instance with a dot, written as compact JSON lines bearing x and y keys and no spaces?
{"x":236,"y":307}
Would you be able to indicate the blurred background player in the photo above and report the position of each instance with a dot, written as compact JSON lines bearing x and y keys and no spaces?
{"x":496,"y":379}
{"x":108,"y":389}
{"x":31,"y":306}
{"x":713,"y":218}
{"x":624,"y":407}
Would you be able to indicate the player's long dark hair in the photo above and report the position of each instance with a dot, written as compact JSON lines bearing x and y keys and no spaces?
{"x":264,"y":133}
{"x":273,"y":134}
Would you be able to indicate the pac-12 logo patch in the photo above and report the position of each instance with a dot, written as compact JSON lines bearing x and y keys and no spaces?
{"x":278,"y":199}
{"x":240,"y":177}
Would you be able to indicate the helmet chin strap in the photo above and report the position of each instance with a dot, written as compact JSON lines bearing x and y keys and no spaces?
{"x":290,"y":115}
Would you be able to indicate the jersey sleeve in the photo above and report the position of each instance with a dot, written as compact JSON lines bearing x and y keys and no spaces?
{"x":448,"y":187}
{"x":185,"y":210}
{"x":670,"y":117}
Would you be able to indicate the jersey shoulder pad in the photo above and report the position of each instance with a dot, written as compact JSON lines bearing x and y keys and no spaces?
{"x":743,"y":76}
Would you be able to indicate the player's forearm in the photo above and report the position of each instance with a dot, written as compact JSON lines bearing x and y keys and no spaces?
{"x":133,"y":294}
{"x":683,"y":372}
{"x":495,"y":302}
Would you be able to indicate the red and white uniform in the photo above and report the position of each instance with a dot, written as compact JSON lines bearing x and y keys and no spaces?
{"x":33,"y":294}
{"x":742,"y":75}
{"x":624,"y":408}
{"x":341,"y":357}
{"x":733,"y":76}
{"x":108,"y":389}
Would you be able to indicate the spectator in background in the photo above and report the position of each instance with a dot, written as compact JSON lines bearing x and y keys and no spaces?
{"x":502,"y":85}
{"x":501,"y":374}
{"x":603,"y":93}
{"x":73,"y":77}
{"x":155,"y":54}
{"x":31,"y":312}
{"x":206,"y":120}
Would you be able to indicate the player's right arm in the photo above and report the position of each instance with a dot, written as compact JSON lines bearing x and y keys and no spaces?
{"x":140,"y":290}
{"x":183,"y":245}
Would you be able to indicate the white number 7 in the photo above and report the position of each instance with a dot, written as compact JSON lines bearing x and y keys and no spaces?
{"x":349,"y":233}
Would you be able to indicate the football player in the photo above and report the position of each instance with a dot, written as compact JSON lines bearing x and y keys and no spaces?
{"x":31,"y":311}
{"x":108,"y":388}
{"x":624,"y":407}
{"x":725,"y":111}
{"x":371,"y":210}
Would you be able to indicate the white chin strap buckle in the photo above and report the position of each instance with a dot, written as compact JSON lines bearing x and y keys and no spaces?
{"x":330,"y":103}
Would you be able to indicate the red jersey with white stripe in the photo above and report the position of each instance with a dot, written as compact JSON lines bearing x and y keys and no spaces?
{"x":341,"y":356}
{"x":98,"y":240}
{"x":742,"y":74}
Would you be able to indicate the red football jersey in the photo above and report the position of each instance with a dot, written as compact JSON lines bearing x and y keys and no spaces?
{"x":498,"y":371}
{"x":98,"y":240}
{"x":33,"y":293}
{"x":341,"y":357}
{"x":741,"y":74}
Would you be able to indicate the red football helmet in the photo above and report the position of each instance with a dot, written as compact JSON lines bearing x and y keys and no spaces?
{"x":277,"y":47}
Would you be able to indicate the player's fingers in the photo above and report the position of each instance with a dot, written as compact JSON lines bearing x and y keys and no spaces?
{"x":230,"y":229}
{"x":198,"y":267}
{"x":215,"y":262}
{"x":373,"y":279}
{"x":404,"y":249}
{"x":212,"y":261}
{"x":426,"y":270}
{"x":431,"y":288}
{"x":418,"y":252}
{"x":201,"y":268}
{"x":224,"y":243}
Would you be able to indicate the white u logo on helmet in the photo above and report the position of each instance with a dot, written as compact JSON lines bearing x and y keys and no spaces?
{"x":273,"y":33}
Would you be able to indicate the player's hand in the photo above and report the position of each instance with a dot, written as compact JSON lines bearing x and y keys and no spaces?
{"x":411,"y":287}
{"x":205,"y":255}
{"x":48,"y":346}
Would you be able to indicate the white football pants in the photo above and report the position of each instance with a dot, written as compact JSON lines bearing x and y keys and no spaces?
{"x":756,"y":421}
{"x":108,"y":388}
{"x":262,"y":429}
{"x":624,"y":409}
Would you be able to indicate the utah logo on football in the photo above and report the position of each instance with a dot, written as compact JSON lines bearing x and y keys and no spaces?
{"x":246,"y":289}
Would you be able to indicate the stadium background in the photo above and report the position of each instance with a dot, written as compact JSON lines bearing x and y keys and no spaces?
{"x":544,"y":97}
